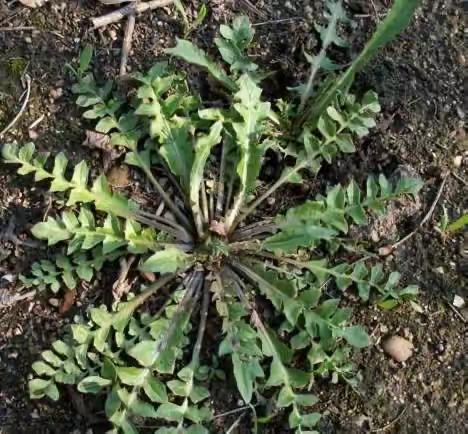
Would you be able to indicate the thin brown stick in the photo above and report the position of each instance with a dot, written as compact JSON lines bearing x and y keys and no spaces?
{"x":252,"y":8}
{"x":228,"y":413}
{"x":391,"y":423}
{"x":459,"y":178}
{"x":127,"y":44}
{"x":384,"y":251}
{"x":17,"y":29}
{"x":235,"y":424}
{"x":456,"y":312}
{"x":121,"y":13}
{"x":115,"y":2}
{"x":36,"y":122}
{"x":279,"y":21}
{"x":22,"y":109}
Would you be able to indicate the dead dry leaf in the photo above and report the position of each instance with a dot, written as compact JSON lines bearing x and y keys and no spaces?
{"x":95,"y":140}
{"x":218,"y":228}
{"x":33,"y":3}
{"x":119,"y":176}
{"x":68,"y":301}
{"x":149,"y":276}
{"x":122,"y":285}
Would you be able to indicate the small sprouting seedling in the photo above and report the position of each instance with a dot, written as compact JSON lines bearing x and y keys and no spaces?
{"x":261,"y":291}
{"x":16,"y":66}
{"x":459,"y":224}
{"x":445,"y":227}
{"x":189,"y":27}
{"x":444,"y":221}
{"x":86,"y":56}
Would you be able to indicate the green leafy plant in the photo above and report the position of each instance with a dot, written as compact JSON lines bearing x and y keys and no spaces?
{"x":269,"y":286}
{"x":189,"y":27}
{"x":459,"y":224}
{"x":445,"y":227}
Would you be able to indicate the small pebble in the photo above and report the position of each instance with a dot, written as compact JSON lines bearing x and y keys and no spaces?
{"x":398,"y":348}
{"x":458,"y":301}
{"x":54,"y":302}
{"x":383,"y":329}
{"x":56,"y":93}
{"x":113,"y":34}
{"x":33,"y":134}
{"x":457,"y":161}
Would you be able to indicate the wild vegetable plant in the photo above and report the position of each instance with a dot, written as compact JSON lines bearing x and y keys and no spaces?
{"x":268,"y":286}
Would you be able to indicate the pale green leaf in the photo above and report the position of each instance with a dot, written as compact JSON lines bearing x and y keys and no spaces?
{"x":395,"y":22}
{"x":51,"y":230}
{"x":177,"y":150}
{"x":192,"y":54}
{"x":92,"y":384}
{"x":132,"y":376}
{"x":356,"y":336}
{"x":144,"y":352}
{"x":166,"y":261}
{"x":155,"y":390}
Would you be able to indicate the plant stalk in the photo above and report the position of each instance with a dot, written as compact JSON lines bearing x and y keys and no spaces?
{"x":201,"y":327}
{"x":169,"y":202}
{"x":204,"y":200}
{"x":282,"y":180}
{"x":254,"y":229}
{"x":180,"y":234}
{"x":316,"y":66}
{"x":221,"y":186}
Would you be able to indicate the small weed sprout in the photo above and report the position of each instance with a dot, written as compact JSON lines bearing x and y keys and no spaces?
{"x":258,"y":281}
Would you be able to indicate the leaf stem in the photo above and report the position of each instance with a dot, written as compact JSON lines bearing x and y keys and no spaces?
{"x":169,"y":202}
{"x":192,"y":293}
{"x":282,"y":180}
{"x":234,"y":213}
{"x":221,"y":186}
{"x":204,"y":200}
{"x":148,"y":292}
{"x":180,"y":233}
{"x":247,"y":232}
{"x":201,"y":327}
{"x":230,"y":191}
{"x":327,"y":40}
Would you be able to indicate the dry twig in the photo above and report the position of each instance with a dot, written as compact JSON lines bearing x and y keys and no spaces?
{"x":121,"y":286}
{"x":127,"y":43}
{"x":131,"y":9}
{"x":17,"y":29}
{"x":22,"y":109}
{"x":8,"y":300}
{"x":459,"y":178}
{"x":456,"y":312}
{"x":391,"y":423}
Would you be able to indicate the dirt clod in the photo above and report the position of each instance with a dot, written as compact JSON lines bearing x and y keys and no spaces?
{"x":398,"y":348}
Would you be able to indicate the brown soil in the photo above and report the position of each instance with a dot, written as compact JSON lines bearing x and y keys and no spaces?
{"x":420,"y":81}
